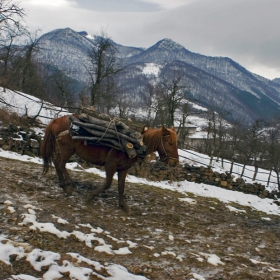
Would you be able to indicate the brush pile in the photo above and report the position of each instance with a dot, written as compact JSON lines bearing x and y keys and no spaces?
{"x":100,"y":129}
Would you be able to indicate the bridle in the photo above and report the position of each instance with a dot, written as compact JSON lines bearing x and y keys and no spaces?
{"x":166,"y":156}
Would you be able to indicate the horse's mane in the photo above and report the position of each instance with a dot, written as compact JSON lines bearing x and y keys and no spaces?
{"x":152,"y":138}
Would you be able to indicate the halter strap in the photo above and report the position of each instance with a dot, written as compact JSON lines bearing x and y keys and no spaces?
{"x":166,"y":156}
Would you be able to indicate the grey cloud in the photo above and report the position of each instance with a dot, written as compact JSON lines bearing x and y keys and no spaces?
{"x":244,"y":30}
{"x":118,"y":5}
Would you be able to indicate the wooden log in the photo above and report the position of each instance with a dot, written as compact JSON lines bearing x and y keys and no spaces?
{"x":131,"y":152}
{"x":131,"y":124}
{"x":105,"y":132}
{"x":115,"y":124}
{"x":91,"y":112}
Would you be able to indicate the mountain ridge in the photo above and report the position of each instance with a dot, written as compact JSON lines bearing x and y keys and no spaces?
{"x":209,"y":79}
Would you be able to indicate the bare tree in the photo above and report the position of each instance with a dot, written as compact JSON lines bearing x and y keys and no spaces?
{"x":272,"y":147}
{"x":64,"y":86}
{"x":250,"y":140}
{"x":10,"y":30}
{"x":217,"y":139}
{"x":235,"y":132}
{"x":26,"y":76}
{"x":148,"y":99}
{"x":171,"y":96}
{"x":251,"y":144}
{"x":7,"y":54}
{"x":211,"y":139}
{"x":103,"y":65}
{"x":153,"y":104}
{"x":10,"y":14}
{"x":30,"y":49}
{"x":182,"y":132}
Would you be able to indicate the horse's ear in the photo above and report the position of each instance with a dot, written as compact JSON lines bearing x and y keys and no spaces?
{"x":144,"y":128}
{"x":165,"y":131}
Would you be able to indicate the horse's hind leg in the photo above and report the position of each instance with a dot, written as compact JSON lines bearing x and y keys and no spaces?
{"x":65,"y":181}
{"x":60,"y":176}
{"x":121,"y":185}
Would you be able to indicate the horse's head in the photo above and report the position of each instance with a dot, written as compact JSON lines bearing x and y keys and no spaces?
{"x":164,"y":141}
{"x":168,"y":148}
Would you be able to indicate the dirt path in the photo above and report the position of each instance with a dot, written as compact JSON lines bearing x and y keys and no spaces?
{"x":169,"y":238}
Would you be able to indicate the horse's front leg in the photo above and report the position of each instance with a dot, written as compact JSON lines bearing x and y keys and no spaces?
{"x":121,"y":184}
{"x":110,"y":171}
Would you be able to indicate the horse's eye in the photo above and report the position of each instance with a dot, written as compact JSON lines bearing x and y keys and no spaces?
{"x":170,"y":143}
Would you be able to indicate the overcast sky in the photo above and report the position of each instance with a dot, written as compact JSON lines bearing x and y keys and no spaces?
{"x":247,"y":31}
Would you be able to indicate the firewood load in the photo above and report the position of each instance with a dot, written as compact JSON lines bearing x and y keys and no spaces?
{"x":100,"y":129}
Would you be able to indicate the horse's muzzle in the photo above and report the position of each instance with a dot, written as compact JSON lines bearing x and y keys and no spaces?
{"x":172,"y":162}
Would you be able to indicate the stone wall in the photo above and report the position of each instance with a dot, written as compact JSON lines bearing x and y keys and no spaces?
{"x":226,"y":181}
{"x":24,"y":141}
{"x":156,"y":171}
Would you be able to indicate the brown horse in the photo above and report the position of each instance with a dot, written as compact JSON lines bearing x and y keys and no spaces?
{"x":57,"y":147}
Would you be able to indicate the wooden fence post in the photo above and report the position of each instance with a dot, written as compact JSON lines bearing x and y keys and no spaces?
{"x":255,"y":174}
{"x":211,"y":162}
{"x":242,"y":173}
{"x":231,"y":167}
{"x":278,"y":179}
{"x":268,"y":180}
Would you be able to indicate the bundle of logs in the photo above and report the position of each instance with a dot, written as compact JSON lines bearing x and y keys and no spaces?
{"x":100,"y":129}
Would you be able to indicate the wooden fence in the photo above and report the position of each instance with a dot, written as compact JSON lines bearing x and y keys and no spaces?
{"x":248,"y":173}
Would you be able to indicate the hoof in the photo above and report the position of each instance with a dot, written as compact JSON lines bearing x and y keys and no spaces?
{"x":124,"y":207}
{"x":91,"y":196}
{"x":68,"y":190}
{"x":88,"y":201}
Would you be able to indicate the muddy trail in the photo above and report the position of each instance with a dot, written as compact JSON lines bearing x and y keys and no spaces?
{"x":164,"y":237}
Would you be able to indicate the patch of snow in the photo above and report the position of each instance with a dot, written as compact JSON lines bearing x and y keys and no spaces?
{"x":151,"y":69}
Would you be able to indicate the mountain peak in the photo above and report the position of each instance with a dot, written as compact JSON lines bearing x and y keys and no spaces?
{"x":169,"y":44}
{"x":83,"y":33}
{"x":61,"y":32}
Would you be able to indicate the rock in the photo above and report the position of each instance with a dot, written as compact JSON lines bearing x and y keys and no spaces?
{"x":224,"y":184}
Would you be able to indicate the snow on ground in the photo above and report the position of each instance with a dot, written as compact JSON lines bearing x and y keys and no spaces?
{"x":197,"y":121}
{"x":25,"y":104}
{"x":117,"y":272}
{"x":198,"y":107}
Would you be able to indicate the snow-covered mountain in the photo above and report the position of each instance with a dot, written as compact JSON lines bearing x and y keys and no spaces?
{"x":217,"y":82}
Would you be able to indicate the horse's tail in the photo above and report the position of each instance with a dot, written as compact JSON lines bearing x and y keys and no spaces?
{"x":48,"y":148}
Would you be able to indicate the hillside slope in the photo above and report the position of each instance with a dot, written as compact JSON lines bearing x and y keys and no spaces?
{"x":162,"y":236}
